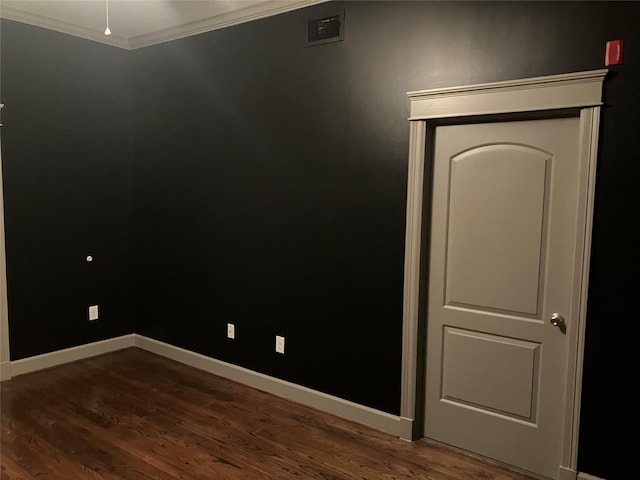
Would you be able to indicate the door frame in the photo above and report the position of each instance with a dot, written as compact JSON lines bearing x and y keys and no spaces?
{"x":538,"y":97}
{"x":4,"y":313}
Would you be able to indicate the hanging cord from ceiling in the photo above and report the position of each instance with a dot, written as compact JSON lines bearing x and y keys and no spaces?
{"x":107,"y":31}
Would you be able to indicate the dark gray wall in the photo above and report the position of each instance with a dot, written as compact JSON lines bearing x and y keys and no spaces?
{"x":66,"y":154}
{"x":270,"y":184}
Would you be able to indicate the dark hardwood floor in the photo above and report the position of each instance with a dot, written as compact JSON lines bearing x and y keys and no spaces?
{"x":134,"y":415}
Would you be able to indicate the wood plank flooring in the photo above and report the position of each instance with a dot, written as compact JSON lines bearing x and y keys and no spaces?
{"x":134,"y":415}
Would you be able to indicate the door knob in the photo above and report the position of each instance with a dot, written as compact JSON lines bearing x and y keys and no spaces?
{"x":557,"y":320}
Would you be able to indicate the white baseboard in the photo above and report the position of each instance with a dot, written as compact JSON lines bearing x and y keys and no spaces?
{"x":392,"y":424}
{"x":5,"y":371}
{"x":565,"y":473}
{"x":46,"y":360}
{"x":371,"y":417}
{"x":586,"y":476}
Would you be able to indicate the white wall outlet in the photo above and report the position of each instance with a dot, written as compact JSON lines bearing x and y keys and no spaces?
{"x":93,"y":312}
{"x":279,"y":344}
{"x":231,"y":330}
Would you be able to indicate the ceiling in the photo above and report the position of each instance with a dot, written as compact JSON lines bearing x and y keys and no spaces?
{"x":139,"y":23}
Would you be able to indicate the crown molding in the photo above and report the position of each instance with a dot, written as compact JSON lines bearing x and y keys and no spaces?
{"x":255,"y":12}
{"x":16,"y":15}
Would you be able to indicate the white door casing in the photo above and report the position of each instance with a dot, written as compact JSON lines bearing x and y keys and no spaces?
{"x":4,"y":315}
{"x":578,"y":94}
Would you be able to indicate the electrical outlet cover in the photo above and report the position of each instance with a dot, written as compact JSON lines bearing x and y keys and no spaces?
{"x":93,"y":312}
{"x":231,"y":330}
{"x":279,"y":344}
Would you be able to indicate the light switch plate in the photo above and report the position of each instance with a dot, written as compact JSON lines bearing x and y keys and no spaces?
{"x":279,"y":344}
{"x":93,"y":312}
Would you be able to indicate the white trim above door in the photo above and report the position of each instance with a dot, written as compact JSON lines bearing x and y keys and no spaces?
{"x":579,"y":94}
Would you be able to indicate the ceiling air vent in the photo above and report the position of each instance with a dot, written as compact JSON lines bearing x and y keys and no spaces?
{"x":326,"y":29}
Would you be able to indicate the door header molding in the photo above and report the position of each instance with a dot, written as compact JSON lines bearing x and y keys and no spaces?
{"x":567,"y":90}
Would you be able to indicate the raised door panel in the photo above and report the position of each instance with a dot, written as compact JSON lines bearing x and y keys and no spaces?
{"x":498,"y":375}
{"x":496,"y":214}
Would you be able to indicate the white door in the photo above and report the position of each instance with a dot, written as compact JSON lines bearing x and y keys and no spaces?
{"x":503,"y":245}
